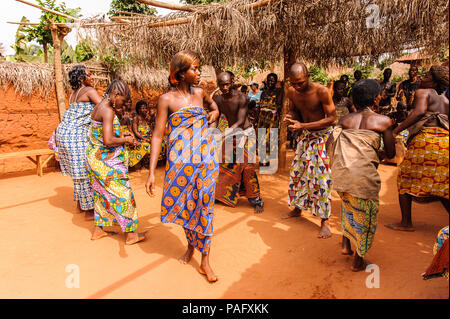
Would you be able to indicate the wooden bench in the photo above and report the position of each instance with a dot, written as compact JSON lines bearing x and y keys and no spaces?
{"x":33,"y":155}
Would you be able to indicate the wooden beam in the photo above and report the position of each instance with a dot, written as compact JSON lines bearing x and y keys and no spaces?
{"x":171,"y":6}
{"x":49,"y":10}
{"x":172,"y":22}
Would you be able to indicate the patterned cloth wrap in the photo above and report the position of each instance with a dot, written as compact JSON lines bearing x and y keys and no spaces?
{"x":268,"y":118}
{"x":108,"y":174}
{"x":439,"y":264}
{"x":359,"y":220}
{"x":238,"y":178}
{"x":72,"y":140}
{"x":424,"y":171}
{"x":310,"y":178}
{"x":191,"y":171}
{"x":137,"y":153}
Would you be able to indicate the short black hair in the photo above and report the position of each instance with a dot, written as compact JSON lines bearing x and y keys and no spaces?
{"x":336,"y":83}
{"x":357,"y":72}
{"x":364,"y":93}
{"x":244,"y":88}
{"x":139,"y":105}
{"x":272,"y":75}
{"x":343,"y":76}
{"x":230,"y":73}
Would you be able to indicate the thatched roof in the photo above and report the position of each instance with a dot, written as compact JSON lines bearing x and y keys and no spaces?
{"x":28,"y":78}
{"x":323,"y":32}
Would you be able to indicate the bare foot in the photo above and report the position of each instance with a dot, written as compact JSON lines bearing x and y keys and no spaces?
{"x":78,"y":211}
{"x":325,"y":231}
{"x":347,"y":251}
{"x":89,"y":215}
{"x":206,"y":270}
{"x":358,"y":264}
{"x":259,"y":209}
{"x":187,"y":255}
{"x":346,"y":246}
{"x":133,"y":238}
{"x":296,"y":212}
{"x":100,"y":233}
{"x":400,"y":227}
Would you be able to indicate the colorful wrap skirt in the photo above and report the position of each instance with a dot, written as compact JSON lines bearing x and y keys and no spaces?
{"x":310,"y":177}
{"x":359,"y":221}
{"x":190,"y":178}
{"x":237,"y":178}
{"x":424,"y":171}
{"x":108,"y":175}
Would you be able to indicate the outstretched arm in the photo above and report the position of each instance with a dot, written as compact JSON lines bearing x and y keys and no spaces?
{"x":420,"y":106}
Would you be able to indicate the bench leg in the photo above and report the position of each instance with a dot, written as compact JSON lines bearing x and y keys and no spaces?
{"x":39,"y":165}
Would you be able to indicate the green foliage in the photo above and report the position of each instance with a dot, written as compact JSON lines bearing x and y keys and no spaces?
{"x":318,"y":75}
{"x":41,"y":33}
{"x":380,"y":76}
{"x":397,"y":79}
{"x":130,"y":6}
{"x":422,"y":71}
{"x":366,"y":69}
{"x":85,"y":50}
{"x":385,"y":63}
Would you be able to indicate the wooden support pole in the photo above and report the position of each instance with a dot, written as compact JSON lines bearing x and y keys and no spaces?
{"x":289,"y":57}
{"x":58,"y":35}
{"x":49,"y":10}
{"x":171,"y":22}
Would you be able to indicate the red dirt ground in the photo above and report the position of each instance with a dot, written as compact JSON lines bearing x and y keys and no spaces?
{"x":260,"y":256}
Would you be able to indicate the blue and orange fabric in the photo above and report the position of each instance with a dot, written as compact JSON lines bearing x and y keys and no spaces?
{"x":191,"y":171}
{"x":107,"y":167}
{"x":424,"y":171}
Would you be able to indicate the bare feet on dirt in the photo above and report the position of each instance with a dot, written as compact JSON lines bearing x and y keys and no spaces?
{"x":400,"y":227}
{"x":296,"y":212}
{"x":134,"y":237}
{"x":187,"y":255}
{"x":325,"y":231}
{"x":100,"y":233}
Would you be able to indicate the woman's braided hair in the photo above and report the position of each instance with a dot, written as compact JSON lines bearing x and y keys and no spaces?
{"x":119,"y":86}
{"x":76,"y":74}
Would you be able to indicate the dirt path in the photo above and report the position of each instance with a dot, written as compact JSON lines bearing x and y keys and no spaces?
{"x":255,"y":256}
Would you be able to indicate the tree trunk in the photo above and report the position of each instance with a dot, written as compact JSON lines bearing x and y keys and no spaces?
{"x":288,"y":60}
{"x":59,"y":84}
{"x":45,"y":52}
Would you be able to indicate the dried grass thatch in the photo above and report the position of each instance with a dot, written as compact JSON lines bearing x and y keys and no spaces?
{"x":29,"y":78}
{"x":324,"y":32}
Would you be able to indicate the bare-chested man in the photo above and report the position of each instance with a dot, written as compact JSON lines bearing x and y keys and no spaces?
{"x":236,"y":177}
{"x":310,"y":181}
{"x":424,"y":171}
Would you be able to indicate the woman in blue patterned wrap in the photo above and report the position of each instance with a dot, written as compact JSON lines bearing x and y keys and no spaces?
{"x":72,"y":137}
{"x":192,"y":167}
